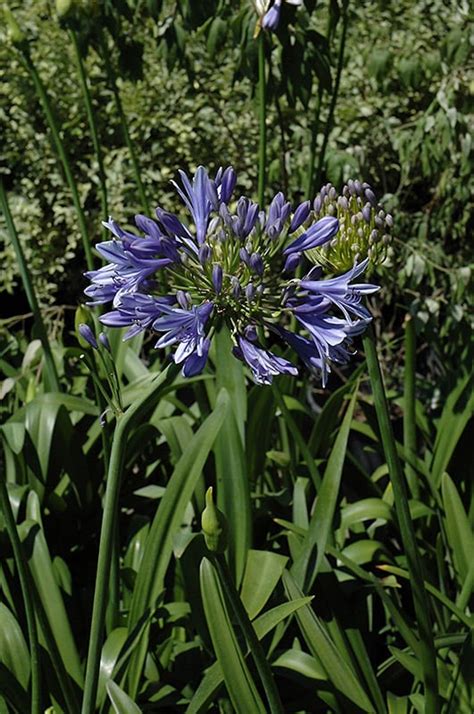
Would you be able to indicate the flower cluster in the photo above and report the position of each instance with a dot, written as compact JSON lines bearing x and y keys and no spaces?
{"x":238,"y":265}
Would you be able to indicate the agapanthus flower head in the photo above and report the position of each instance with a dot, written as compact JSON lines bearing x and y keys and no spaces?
{"x":364,"y":227}
{"x":231,"y":263}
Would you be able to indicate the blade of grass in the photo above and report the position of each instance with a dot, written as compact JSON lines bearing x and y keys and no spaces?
{"x":262,"y":115}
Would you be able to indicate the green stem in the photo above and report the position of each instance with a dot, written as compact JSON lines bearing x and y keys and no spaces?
{"x":262,"y":111}
{"x":407,"y":531}
{"x":314,"y":139}
{"x":125,"y":423}
{"x":22,"y":568}
{"x":92,"y":125}
{"x":409,"y":418}
{"x":30,"y":292}
{"x":263,"y":667}
{"x":63,"y":156}
{"x":334,"y":96}
{"x":112,"y":81}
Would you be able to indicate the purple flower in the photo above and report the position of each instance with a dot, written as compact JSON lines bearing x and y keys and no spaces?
{"x":271,"y":18}
{"x":196,"y":196}
{"x":341,"y":293}
{"x":187,"y":328}
{"x":264,"y":365}
{"x":319,"y":233}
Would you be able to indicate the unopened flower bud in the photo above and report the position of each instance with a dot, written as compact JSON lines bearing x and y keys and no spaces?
{"x":204,"y":253}
{"x":256,"y":263}
{"x":299,"y":216}
{"x":217,"y":277}
{"x":214,"y":525}
{"x":370,"y":196}
{"x":317,"y":204}
{"x":104,"y":341}
{"x":87,"y":336}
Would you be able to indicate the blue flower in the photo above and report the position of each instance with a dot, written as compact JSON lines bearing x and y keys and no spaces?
{"x":264,"y":365}
{"x":232,"y":263}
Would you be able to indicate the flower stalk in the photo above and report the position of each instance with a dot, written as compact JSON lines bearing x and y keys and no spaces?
{"x":92,"y":124}
{"x":125,"y":424}
{"x":262,"y":113}
{"x":112,"y":82}
{"x":61,"y":151}
{"x":409,"y":418}
{"x":50,"y":366}
{"x":334,"y":96}
{"x":407,"y":531}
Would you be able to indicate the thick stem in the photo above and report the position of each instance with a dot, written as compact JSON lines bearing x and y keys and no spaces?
{"x":112,"y":81}
{"x":30,"y":292}
{"x":23,"y":574}
{"x":334,"y":96}
{"x":314,"y":140}
{"x":63,"y":156}
{"x":117,"y":455}
{"x":262,"y":112}
{"x":409,"y":401}
{"x":92,"y":125}
{"x":407,"y":531}
{"x":263,"y":667}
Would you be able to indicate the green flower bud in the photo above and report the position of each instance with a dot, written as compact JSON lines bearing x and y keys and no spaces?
{"x":14,"y":32}
{"x":362,"y":222}
{"x":214,"y":525}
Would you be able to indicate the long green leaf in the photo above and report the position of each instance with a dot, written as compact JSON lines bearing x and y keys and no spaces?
{"x":239,"y":683}
{"x":121,"y":702}
{"x":458,"y":530}
{"x":456,"y":414}
{"x":32,"y":535}
{"x":323,"y":649}
{"x":165,"y":525}
{"x":13,"y":649}
{"x":323,"y":515}
{"x":262,"y":572}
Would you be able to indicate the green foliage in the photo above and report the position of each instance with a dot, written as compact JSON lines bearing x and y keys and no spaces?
{"x":310,"y":609}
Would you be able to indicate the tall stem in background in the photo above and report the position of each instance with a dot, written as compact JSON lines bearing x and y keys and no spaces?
{"x":62,"y":153}
{"x":334,"y":96}
{"x":262,"y":113}
{"x":409,"y":417}
{"x":125,"y":423}
{"x":112,"y":81}
{"x":23,"y":574}
{"x":314,"y":138}
{"x":407,"y":531}
{"x":30,"y":293}
{"x":92,"y":125}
